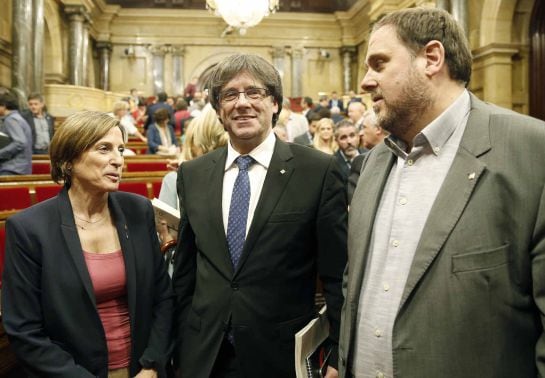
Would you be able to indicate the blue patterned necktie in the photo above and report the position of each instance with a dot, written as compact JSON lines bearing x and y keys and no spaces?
{"x":238,"y":211}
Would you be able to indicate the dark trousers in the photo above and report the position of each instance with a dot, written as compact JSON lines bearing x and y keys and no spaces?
{"x":226,"y":365}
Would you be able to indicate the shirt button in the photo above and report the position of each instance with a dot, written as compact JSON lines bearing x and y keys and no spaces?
{"x":403,"y":201}
{"x":380,"y":374}
{"x":386,"y":287}
{"x":395,"y":243}
{"x":410,"y":162}
{"x":378,"y":333}
{"x":436,"y":149}
{"x":234,"y":286}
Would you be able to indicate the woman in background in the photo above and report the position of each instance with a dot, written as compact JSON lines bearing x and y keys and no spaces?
{"x":323,"y":137}
{"x":85,"y":288}
{"x":161,"y":138}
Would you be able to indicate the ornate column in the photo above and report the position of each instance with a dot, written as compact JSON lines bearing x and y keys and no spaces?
{"x":104,"y":50}
{"x":85,"y":51}
{"x":178,"y":53}
{"x":21,"y":59}
{"x":37,"y":46}
{"x":76,"y":17}
{"x":347,"y":53}
{"x":278,"y":54}
{"x":158,"y":67}
{"x":296,"y":72}
{"x":458,"y":9}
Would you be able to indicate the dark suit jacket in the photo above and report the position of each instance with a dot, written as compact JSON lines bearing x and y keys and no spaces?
{"x":354,"y":175}
{"x":340,"y":104}
{"x":48,"y":301}
{"x":29,"y":117}
{"x":294,"y":234}
{"x":474,"y":299}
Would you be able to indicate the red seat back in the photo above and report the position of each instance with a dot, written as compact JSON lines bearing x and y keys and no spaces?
{"x":146,"y":166}
{"x":2,"y":249}
{"x":156,"y":188}
{"x":46,"y":192}
{"x":41,"y":168}
{"x":14,"y":198}
{"x":134,"y":187}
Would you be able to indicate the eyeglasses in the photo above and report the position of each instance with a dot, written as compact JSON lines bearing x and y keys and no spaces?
{"x":251,"y":94}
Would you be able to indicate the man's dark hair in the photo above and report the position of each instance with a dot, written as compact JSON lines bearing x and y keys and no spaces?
{"x":255,"y":66}
{"x":308,"y":101}
{"x":35,"y":96}
{"x":313,"y":116}
{"x":162,"y":96}
{"x":9,"y":101}
{"x":416,"y":27}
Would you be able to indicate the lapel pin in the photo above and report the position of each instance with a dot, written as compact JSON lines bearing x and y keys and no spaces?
{"x":283,"y":171}
{"x":471,"y":176}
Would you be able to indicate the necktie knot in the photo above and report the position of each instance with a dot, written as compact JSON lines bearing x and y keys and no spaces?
{"x":244,"y":162}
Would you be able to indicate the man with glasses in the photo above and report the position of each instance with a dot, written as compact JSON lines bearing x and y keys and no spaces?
{"x":260,"y":219}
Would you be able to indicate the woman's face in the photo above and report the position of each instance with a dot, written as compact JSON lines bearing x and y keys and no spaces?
{"x":98,"y":170}
{"x":325,"y":131}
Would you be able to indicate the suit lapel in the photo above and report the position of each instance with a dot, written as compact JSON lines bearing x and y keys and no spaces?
{"x":278,"y":175}
{"x":215,"y":173}
{"x":363,"y":209}
{"x":70,"y":233}
{"x":127,"y":248}
{"x":455,"y":193}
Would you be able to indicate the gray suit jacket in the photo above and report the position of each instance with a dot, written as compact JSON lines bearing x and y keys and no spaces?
{"x":474,"y":300}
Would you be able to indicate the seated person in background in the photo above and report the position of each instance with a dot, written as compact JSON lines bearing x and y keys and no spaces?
{"x":139,"y":113}
{"x":323,"y":137}
{"x":161,"y":138}
{"x":121,"y":113}
{"x":181,"y":114}
{"x":204,"y":134}
{"x":110,"y":314}
{"x":16,"y":155}
{"x":42,"y":124}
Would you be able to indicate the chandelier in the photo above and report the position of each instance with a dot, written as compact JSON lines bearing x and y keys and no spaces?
{"x":242,"y":14}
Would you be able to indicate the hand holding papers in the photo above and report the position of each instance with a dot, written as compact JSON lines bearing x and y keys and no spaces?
{"x":310,"y":356}
{"x":167,"y":213}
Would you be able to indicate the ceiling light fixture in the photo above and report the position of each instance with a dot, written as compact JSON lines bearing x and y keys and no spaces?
{"x":242,"y":14}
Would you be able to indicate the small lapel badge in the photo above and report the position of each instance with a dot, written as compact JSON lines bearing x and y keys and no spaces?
{"x":282,"y":171}
{"x":471,"y":176}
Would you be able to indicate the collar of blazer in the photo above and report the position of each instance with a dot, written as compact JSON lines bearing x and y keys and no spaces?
{"x":454,"y":195}
{"x":73,"y":243}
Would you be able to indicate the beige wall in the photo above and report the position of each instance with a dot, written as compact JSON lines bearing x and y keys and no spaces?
{"x":498,"y":34}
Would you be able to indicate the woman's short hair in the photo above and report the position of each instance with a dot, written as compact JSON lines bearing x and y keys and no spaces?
{"x":161,"y":115}
{"x":181,"y":104}
{"x":205,"y":132}
{"x":77,"y":134}
{"x":120,"y":105}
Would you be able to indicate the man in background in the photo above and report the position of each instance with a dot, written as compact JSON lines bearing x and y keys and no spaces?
{"x":447,"y":224}
{"x":347,"y":138}
{"x":42,"y":124}
{"x":296,"y":124}
{"x":16,"y":153}
{"x":355,"y":113}
{"x":335,"y":101}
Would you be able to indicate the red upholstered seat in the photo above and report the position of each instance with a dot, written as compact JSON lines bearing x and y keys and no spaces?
{"x":14,"y":198}
{"x":46,"y":192}
{"x":146,"y":166}
{"x":41,"y":168}
{"x":156,"y":188}
{"x":134,"y":187}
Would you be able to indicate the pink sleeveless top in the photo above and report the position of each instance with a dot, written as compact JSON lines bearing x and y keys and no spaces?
{"x":107,"y":271}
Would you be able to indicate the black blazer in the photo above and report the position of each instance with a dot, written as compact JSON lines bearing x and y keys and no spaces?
{"x":29,"y":117}
{"x":49,"y":310}
{"x":298,"y":230}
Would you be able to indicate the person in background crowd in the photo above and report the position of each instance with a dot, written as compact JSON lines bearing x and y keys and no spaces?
{"x":346,"y":136}
{"x":306,"y":105}
{"x":355,"y":113}
{"x":42,"y":124}
{"x":281,"y":132}
{"x":160,"y":104}
{"x":85,"y":291}
{"x":335,"y":101}
{"x":161,"y":137}
{"x":139,"y":114}
{"x":307,"y":138}
{"x":121,"y":113}
{"x":250,"y":248}
{"x":446,"y":273}
{"x":16,"y":153}
{"x":295,"y":124}
{"x":324,"y":139}
{"x":181,"y":115}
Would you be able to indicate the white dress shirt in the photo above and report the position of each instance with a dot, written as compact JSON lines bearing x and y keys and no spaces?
{"x":262,"y":155}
